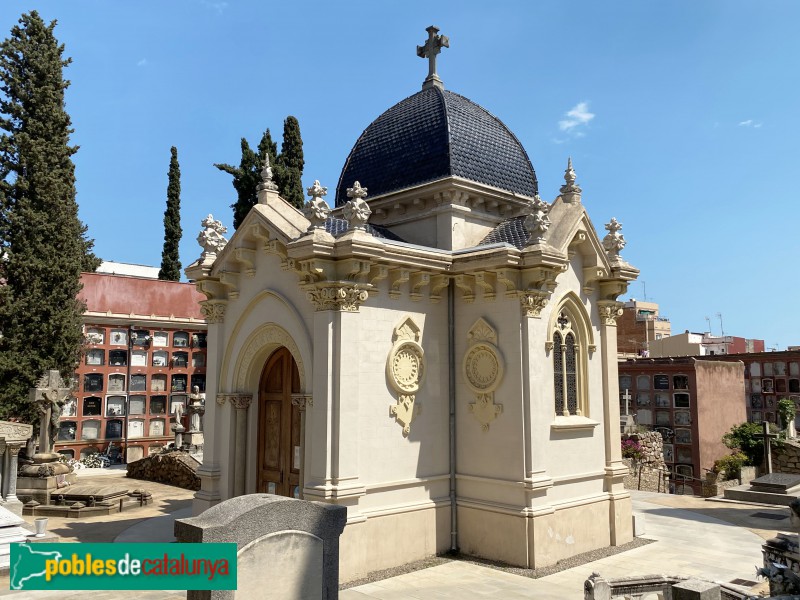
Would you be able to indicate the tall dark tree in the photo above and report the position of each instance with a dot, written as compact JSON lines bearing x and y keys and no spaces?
{"x":170,"y":257}
{"x":43,"y":244}
{"x":289,"y":174}
{"x":247,"y":175}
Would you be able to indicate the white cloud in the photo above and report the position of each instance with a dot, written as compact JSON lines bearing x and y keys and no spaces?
{"x":142,"y":63}
{"x":750,"y":123}
{"x":217,"y":6}
{"x":577,"y":116}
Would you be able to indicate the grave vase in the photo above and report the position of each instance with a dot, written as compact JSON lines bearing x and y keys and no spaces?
{"x":41,"y":526}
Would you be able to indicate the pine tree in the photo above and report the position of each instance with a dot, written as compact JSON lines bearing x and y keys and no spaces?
{"x":247,"y":175}
{"x":42,"y":241}
{"x":170,"y":257}
{"x":289,"y":174}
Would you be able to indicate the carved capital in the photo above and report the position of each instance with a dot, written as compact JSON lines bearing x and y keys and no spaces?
{"x":532,"y":302}
{"x":343,"y":297}
{"x":13,"y":449}
{"x":610,"y":311}
{"x":213,"y":311}
{"x":238,"y":401}
{"x":302,"y":401}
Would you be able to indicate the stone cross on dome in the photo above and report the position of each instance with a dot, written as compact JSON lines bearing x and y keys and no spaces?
{"x":433,"y":46}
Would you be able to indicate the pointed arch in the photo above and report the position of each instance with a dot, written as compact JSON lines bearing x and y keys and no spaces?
{"x":570,"y":338}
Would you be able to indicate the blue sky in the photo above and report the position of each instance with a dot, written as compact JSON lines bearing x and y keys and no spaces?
{"x":681,"y":118}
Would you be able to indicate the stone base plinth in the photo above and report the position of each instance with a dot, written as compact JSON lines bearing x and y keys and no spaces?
{"x":193,"y":439}
{"x":41,"y":488}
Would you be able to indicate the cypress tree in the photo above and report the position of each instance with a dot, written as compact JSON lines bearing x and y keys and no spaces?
{"x":170,"y":257}
{"x":290,"y":162}
{"x":247,"y":175}
{"x":42,"y":241}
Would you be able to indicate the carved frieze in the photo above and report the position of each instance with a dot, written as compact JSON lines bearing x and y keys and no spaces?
{"x":15,"y":431}
{"x":533,"y":302}
{"x":213,"y":311}
{"x":302,"y":401}
{"x":405,"y":370}
{"x":240,"y":401}
{"x":483,"y":369}
{"x":342,"y":297}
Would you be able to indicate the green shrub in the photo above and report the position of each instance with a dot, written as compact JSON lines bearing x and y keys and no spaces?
{"x":731,"y":465}
{"x":747,"y":438}
{"x":786,"y":411}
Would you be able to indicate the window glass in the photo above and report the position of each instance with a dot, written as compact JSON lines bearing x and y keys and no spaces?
{"x":114,"y":429}
{"x":90,"y":430}
{"x":755,"y":370}
{"x":160,"y":358}
{"x":158,"y":383}
{"x":683,"y":436}
{"x":115,"y":405}
{"x":118,"y":358}
{"x":140,"y":337}
{"x":66,"y":430}
{"x":175,"y":400}
{"x":780,"y":385}
{"x":179,"y":383}
{"x":180,"y":339}
{"x":95,"y":335}
{"x":662,"y":400}
{"x":69,"y":408}
{"x":95,"y":357}
{"x":116,"y":382}
{"x":158,"y":405}
{"x":138,"y":382}
{"x":139,"y":358}
{"x":662,"y":418}
{"x":756,"y":401}
{"x":767,"y":386}
{"x":768,"y":370}
{"x":669,"y":453}
{"x":643,"y":399}
{"x":780,"y":369}
{"x":92,"y":407}
{"x":93,"y":382}
{"x":199,"y":381}
{"x":625,"y":382}
{"x":198,"y":340}
{"x":180,"y":359}
{"x":684,"y":454}
{"x":794,"y":385}
{"x":160,"y":339}
{"x":137,"y":405}
{"x":683,"y":417}
{"x":661,"y":382}
{"x":680,"y":382}
{"x":198,"y":359}
{"x":119,"y":337}
{"x":794,"y":368}
{"x":643,"y":382}
{"x":755,"y":384}
{"x":681,"y":400}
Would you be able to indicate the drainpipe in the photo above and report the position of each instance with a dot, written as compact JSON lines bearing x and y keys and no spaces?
{"x":451,"y":347}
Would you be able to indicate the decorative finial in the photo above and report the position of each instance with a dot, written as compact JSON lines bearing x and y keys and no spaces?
{"x":614,"y":242}
{"x":266,"y":176}
{"x":211,"y":238}
{"x":356,"y":210}
{"x":316,"y":210}
{"x":570,"y":191}
{"x":433,"y":46}
{"x":537,"y":222}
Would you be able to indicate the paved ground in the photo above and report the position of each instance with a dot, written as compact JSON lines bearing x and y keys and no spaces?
{"x":720,"y":541}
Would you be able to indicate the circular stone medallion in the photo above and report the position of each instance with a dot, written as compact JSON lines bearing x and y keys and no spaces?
{"x":405,"y":367}
{"x":483,"y":367}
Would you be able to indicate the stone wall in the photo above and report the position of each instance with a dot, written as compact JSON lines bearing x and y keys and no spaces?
{"x":174,"y":468}
{"x":787,"y":458}
{"x":649,"y":473}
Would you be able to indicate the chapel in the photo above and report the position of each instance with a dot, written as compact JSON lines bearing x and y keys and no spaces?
{"x":437,"y":352}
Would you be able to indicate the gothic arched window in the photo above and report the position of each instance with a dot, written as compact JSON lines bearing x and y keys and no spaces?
{"x":566,"y":368}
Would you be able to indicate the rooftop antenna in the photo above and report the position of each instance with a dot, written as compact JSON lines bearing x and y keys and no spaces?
{"x":721,"y":328}
{"x":708,"y":320}
{"x":644,"y":290}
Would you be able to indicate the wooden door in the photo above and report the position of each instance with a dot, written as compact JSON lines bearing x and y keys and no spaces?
{"x":279,"y":451}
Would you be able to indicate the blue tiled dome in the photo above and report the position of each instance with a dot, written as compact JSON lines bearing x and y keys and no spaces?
{"x":432,"y":135}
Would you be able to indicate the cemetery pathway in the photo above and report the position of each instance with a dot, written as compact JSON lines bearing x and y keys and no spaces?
{"x":713,"y":540}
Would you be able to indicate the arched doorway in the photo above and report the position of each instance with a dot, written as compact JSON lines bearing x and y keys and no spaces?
{"x":279,"y":451}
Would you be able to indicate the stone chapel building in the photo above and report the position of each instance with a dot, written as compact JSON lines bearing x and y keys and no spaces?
{"x":440,"y":356}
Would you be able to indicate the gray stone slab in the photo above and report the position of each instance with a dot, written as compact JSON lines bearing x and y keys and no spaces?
{"x":695,"y":589}
{"x":82,"y":493}
{"x":776,"y":483}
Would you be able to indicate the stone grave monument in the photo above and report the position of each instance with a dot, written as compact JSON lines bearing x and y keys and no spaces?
{"x":13,"y":437}
{"x":287,"y":548}
{"x":46,"y":473}
{"x":196,"y":410}
{"x":12,"y":531}
{"x":177,"y":426}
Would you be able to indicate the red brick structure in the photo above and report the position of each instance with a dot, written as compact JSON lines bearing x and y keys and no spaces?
{"x":692,"y":402}
{"x":145,"y":349}
{"x":639,"y":326}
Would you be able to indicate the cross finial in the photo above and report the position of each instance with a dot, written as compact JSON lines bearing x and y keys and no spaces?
{"x":433,"y":46}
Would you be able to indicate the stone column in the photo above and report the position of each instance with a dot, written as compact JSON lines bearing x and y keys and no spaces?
{"x":11,"y":473}
{"x":615,"y":470}
{"x":302,"y":401}
{"x":241,"y":402}
{"x":3,"y":472}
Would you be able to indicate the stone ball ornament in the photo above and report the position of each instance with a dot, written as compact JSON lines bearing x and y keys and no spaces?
{"x":483,"y":367}
{"x":405,"y":367}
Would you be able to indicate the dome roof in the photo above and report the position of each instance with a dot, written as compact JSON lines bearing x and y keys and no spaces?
{"x":432,"y":135}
